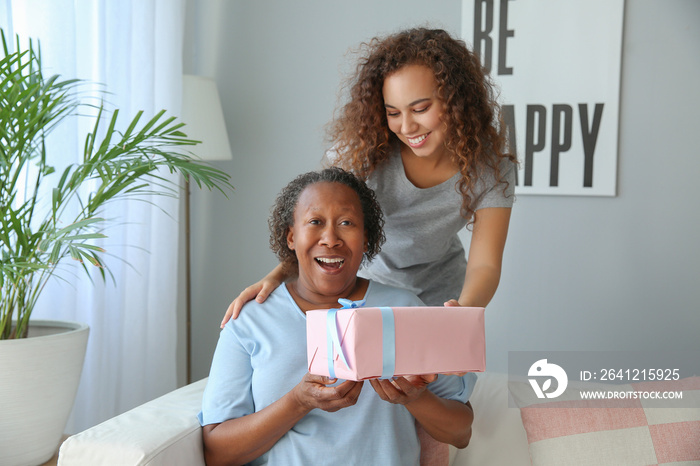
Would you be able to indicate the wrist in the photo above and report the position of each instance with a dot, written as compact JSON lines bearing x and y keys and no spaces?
{"x":421,"y":399}
{"x":281,"y":274}
{"x":299,"y":404}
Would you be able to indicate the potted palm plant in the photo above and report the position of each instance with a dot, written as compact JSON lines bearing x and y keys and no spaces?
{"x":49,"y":218}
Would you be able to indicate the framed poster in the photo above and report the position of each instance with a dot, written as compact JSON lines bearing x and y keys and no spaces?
{"x":557,"y":65}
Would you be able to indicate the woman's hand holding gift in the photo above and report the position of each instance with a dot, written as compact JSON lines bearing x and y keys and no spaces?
{"x":313,"y":392}
{"x":402,"y":390}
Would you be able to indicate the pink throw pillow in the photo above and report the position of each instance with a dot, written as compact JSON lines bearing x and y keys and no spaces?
{"x":601,"y":432}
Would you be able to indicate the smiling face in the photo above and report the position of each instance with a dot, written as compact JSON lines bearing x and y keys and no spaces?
{"x":413,"y":110}
{"x":328,"y":238}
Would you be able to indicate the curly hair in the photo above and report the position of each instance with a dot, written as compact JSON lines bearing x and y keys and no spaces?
{"x":476,"y":135}
{"x":282,"y":216}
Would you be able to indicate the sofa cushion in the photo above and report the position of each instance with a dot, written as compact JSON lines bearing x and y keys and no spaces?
{"x":613,"y":432}
{"x":498,"y":436}
{"x":164,"y":431}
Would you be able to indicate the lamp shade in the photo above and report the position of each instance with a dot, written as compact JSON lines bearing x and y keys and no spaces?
{"x":204,"y":118}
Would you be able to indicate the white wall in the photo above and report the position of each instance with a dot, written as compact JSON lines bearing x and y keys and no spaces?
{"x":620,"y":273}
{"x":579,"y":273}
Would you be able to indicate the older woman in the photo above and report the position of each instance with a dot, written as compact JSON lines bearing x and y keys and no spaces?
{"x":261,"y":406}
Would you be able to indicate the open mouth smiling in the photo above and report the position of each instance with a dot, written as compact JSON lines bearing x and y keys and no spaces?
{"x":331,"y":263}
{"x":417,"y":141}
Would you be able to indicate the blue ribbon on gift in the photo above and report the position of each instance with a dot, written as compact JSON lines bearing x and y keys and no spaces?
{"x":388,"y":343}
{"x":388,"y":338}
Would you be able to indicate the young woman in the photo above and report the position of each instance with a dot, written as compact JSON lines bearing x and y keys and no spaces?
{"x":261,"y":405}
{"x":422,"y":126}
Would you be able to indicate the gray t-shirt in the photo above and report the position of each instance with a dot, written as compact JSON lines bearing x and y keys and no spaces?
{"x":422,"y":252}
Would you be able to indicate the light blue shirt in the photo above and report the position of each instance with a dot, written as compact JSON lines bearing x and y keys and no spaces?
{"x":262,"y":355}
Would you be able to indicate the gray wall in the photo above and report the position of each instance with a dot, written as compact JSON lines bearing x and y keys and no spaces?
{"x":580,"y":273}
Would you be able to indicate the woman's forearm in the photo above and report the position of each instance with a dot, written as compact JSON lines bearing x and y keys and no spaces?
{"x":258,"y":291}
{"x":447,"y":421}
{"x":241,"y":440}
{"x":279,"y":273}
{"x":485,"y":256}
{"x":480,"y":285}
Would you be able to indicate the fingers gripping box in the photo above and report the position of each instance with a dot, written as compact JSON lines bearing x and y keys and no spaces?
{"x":385,"y":342}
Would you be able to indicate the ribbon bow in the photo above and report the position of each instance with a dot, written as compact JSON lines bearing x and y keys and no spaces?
{"x":350,"y":304}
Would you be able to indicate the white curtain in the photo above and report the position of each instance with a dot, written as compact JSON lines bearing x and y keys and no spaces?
{"x":134,"y":48}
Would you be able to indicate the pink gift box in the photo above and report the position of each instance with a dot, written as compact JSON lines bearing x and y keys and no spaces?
{"x":426,"y":340}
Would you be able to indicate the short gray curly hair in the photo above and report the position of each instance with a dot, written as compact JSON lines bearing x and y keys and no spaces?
{"x":282,"y":217}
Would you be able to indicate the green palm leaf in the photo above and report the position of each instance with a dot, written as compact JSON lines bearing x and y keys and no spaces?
{"x":35,"y":239}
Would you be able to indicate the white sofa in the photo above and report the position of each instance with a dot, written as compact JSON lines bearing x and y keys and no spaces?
{"x":165,"y":432}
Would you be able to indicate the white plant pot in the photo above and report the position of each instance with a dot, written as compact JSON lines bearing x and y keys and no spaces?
{"x":39,"y":378}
